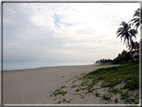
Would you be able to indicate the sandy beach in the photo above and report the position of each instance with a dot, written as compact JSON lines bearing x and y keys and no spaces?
{"x":34,"y":86}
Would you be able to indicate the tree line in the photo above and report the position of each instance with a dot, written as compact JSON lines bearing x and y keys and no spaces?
{"x":127,"y":32}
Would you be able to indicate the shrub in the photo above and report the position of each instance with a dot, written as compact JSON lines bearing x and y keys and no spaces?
{"x":64,"y":100}
{"x":111,"y":84}
{"x":73,"y":86}
{"x":59,"y":102}
{"x":116,"y":100}
{"x":123,"y":62}
{"x":101,"y":78}
{"x":133,"y":84}
{"x":59,"y":92}
{"x":120,"y":59}
{"x":77,"y":90}
{"x":68,"y":101}
{"x":97,"y":94}
{"x":106,"y":97}
{"x":63,"y":87}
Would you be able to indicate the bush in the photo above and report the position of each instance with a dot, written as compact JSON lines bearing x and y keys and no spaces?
{"x":120,"y":59}
{"x":133,"y":84}
{"x":123,"y":62}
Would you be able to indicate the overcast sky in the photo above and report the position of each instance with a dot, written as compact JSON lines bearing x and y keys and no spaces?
{"x":73,"y":32}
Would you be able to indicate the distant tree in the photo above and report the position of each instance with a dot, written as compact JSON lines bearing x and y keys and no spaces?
{"x":119,"y":55}
{"x":123,"y":57}
{"x":104,"y":61}
{"x":119,"y":59}
{"x":124,"y":53}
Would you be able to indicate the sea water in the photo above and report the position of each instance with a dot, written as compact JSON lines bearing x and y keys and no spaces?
{"x":26,"y":65}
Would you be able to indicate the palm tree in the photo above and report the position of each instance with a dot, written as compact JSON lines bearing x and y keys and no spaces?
{"x":133,"y":45}
{"x":137,"y":21}
{"x":127,"y":33}
{"x":137,"y":18}
{"x":136,"y":46}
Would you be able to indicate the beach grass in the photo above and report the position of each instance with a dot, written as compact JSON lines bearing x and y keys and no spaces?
{"x":122,"y":80}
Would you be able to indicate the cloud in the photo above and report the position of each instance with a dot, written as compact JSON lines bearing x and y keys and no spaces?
{"x":63,"y":32}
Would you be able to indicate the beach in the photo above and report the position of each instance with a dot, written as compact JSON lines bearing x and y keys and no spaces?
{"x":33,"y":86}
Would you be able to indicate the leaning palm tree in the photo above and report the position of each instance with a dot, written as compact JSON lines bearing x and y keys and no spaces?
{"x":137,"y":18}
{"x":127,"y":34}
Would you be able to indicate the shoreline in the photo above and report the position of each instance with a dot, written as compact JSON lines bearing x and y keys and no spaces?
{"x":52,"y":67}
{"x":49,"y":67}
{"x":32,"y":86}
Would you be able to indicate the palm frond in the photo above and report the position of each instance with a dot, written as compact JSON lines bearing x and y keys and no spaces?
{"x":137,"y":13}
{"x":125,"y":32}
{"x":137,"y":20}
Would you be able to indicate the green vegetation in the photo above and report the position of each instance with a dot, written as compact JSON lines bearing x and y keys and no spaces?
{"x":97,"y":94}
{"x":68,"y":101}
{"x":63,"y":87}
{"x":116,"y":100}
{"x":73,"y":86}
{"x":128,"y":74}
{"x":59,"y":102}
{"x":137,"y":18}
{"x":69,"y":80}
{"x":115,"y":75}
{"x":84,"y":88}
{"x":77,"y":90}
{"x":59,"y":92}
{"x":120,"y":59}
{"x":107,"y":97}
{"x":123,"y":62}
{"x":104,"y":61}
{"x":126,"y":96}
{"x":128,"y":31}
{"x":123,"y":79}
{"x":111,"y":77}
{"x":74,"y":81}
{"x":114,"y":90}
{"x":111,"y":84}
{"x":133,"y":84}
{"x":64,"y":100}
{"x":84,"y":83}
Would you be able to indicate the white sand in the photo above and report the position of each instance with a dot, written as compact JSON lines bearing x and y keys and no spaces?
{"x":32,"y":86}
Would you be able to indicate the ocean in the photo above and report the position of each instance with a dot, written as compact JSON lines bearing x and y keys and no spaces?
{"x":26,"y":65}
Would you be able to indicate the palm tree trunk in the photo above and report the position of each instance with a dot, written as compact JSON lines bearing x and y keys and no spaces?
{"x":131,"y":55}
{"x":130,"y":50}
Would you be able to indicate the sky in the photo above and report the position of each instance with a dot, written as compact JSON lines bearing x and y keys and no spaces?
{"x":64,"y":32}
